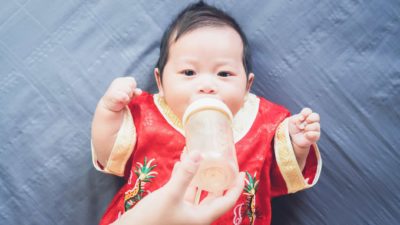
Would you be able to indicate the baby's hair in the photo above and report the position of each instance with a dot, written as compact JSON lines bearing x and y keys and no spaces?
{"x":195,"y":16}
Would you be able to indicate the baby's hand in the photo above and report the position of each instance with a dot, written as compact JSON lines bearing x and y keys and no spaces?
{"x":304,"y":129}
{"x":120,"y":93}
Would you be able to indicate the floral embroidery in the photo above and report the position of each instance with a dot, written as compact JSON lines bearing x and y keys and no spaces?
{"x":144,"y":175}
{"x":250,"y":190}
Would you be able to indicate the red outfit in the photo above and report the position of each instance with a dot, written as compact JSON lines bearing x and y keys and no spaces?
{"x":159,"y":144}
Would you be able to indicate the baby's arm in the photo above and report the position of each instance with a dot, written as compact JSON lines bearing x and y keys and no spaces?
{"x":304,"y":130}
{"x":109,"y":114}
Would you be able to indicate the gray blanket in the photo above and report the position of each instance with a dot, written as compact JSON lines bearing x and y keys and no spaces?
{"x":342,"y":58}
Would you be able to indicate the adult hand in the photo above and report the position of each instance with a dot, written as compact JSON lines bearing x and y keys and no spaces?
{"x":173,"y":204}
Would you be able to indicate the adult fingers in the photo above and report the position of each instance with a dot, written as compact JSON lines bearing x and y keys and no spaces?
{"x":183,"y":173}
{"x":223,"y":203}
{"x":190,"y":194}
{"x":211,"y":197}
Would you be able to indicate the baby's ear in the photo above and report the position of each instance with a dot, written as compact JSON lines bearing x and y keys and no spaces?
{"x":250,"y":80}
{"x":157,"y":76}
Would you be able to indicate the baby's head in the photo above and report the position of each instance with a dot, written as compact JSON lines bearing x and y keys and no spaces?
{"x":203,"y":53}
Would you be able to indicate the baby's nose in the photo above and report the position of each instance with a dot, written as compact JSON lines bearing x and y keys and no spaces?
{"x":207,"y":85}
{"x":207,"y":90}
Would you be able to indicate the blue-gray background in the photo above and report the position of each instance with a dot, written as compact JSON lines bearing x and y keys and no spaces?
{"x":342,"y":58}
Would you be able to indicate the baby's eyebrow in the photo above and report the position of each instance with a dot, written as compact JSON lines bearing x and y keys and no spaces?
{"x":231,"y":63}
{"x":222,"y":62}
{"x":188,"y":59}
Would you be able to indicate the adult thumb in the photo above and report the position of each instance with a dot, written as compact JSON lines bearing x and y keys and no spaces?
{"x":183,"y":173}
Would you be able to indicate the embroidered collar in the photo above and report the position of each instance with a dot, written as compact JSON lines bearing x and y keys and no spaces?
{"x":242,"y":121}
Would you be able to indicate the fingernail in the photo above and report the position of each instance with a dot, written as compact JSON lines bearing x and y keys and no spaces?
{"x":195,"y":157}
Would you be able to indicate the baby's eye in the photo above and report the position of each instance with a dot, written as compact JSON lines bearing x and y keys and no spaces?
{"x":224,"y":74}
{"x":188,"y":72}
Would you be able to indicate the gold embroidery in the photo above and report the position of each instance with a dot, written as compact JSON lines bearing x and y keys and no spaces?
{"x":167,"y":112}
{"x":145,"y":174}
{"x":244,"y":119}
{"x":250,"y":190}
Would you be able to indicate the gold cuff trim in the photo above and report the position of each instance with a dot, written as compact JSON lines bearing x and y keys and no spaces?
{"x":287,"y":162}
{"x":122,"y":149}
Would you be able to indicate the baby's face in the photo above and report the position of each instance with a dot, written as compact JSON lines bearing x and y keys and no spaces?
{"x":206,"y":62}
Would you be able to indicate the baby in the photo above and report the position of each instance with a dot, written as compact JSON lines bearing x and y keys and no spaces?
{"x":203,"y":53}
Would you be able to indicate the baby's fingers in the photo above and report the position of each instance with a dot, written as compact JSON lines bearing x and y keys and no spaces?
{"x":312,"y":127}
{"x":131,"y":82}
{"x":305,"y":112}
{"x":313,"y":136}
{"x":115,"y":101}
{"x":137,"y":92}
{"x":120,"y":97}
{"x":312,"y":118}
{"x":300,"y":119}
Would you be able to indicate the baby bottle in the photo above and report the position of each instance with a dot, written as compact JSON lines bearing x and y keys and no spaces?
{"x":208,"y":130}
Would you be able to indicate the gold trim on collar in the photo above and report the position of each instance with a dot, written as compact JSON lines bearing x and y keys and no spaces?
{"x":242,"y":121}
{"x":167,"y":112}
